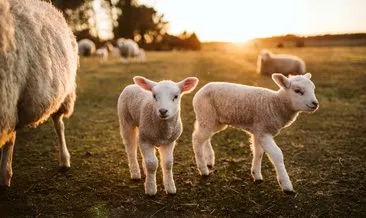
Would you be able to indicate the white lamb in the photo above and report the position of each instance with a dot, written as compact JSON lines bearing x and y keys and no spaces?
{"x":129,"y":49}
{"x":102,"y":53}
{"x":86,"y":47}
{"x":152,"y":110}
{"x":269,"y":63}
{"x":38,"y":62}
{"x":260,"y":112}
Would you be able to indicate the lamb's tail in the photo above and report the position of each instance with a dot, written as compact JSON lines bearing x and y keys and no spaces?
{"x":6,"y":25}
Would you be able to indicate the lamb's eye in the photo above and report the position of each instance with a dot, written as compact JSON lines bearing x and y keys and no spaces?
{"x":298,"y":91}
{"x":175,"y":97}
{"x":154,"y":96}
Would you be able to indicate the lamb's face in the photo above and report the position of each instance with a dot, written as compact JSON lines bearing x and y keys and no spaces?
{"x":302,"y":94}
{"x":301,"y":91}
{"x":166,"y":95}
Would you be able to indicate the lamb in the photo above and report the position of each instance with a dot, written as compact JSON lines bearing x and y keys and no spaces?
{"x":102,"y":53}
{"x":129,"y":49}
{"x":260,"y":112}
{"x":151,"y":110}
{"x":269,"y":63}
{"x":86,"y":47}
{"x":38,"y":63}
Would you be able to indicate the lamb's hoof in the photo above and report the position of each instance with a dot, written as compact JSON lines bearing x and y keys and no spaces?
{"x":258,"y":181}
{"x":3,"y":188}
{"x":289,"y":192}
{"x":63,"y":169}
{"x":150,"y":195}
{"x":210,"y":166}
{"x":135,"y":179}
{"x":205,"y":176}
{"x":171,"y":193}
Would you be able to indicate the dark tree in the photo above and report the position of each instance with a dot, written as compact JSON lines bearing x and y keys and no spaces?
{"x":125,"y":22}
{"x":192,"y":42}
{"x":139,"y":21}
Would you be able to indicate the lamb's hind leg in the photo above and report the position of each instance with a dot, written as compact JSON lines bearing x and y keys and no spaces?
{"x":200,"y":139}
{"x":129,"y":134}
{"x":209,"y":153}
{"x":64,"y":155}
{"x":6,"y":158}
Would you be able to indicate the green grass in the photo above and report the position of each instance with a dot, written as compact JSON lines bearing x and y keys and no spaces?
{"x":324,"y":152}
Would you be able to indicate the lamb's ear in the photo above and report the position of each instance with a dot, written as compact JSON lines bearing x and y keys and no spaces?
{"x":281,"y":80}
{"x":188,"y":84}
{"x":308,"y":75}
{"x":144,"y":83}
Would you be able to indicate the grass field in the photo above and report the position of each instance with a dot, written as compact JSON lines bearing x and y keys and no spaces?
{"x":324,"y":152}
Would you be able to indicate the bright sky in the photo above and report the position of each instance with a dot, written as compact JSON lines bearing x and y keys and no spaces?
{"x":240,"y":20}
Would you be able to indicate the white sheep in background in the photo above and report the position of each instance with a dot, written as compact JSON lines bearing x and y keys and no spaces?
{"x":38,"y":63}
{"x":152,"y":110}
{"x":129,"y":49}
{"x":269,"y":63}
{"x":102,"y":53}
{"x":259,"y":111}
{"x":86,"y":47}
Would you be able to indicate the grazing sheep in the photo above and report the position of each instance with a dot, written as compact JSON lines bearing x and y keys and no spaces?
{"x":86,"y":47}
{"x":269,"y":63}
{"x":258,"y":111}
{"x":154,"y":109}
{"x":129,"y":49}
{"x":38,"y":62}
{"x":102,"y":53}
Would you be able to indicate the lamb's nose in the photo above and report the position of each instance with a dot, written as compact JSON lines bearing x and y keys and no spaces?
{"x":163,"y":111}
{"x":315,"y":103}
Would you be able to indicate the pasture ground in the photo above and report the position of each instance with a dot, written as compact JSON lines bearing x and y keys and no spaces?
{"x":324,"y":152}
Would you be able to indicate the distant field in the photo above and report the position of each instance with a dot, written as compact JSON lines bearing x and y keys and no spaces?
{"x":324,"y":152}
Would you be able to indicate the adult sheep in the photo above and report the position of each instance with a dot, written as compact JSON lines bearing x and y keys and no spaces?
{"x":38,"y":63}
{"x":86,"y":47}
{"x":130,"y":49}
{"x":269,"y":63}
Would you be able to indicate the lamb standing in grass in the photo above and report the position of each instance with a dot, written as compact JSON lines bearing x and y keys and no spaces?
{"x":152,"y":110}
{"x":102,"y":53}
{"x":38,"y":62}
{"x":259,"y":111}
{"x":269,"y":63}
{"x":86,"y":47}
{"x":129,"y":49}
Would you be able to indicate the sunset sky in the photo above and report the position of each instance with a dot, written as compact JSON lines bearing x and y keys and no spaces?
{"x":240,"y":20}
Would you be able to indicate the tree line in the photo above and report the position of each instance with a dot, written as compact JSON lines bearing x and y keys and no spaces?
{"x":127,"y":19}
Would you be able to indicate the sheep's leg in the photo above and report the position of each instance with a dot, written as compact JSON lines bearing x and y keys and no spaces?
{"x":199,"y":137}
{"x":6,"y":157}
{"x":151,"y":165}
{"x":275,"y":155}
{"x":64,"y":155}
{"x":257,"y":161}
{"x":166,"y":162}
{"x":209,"y":153}
{"x":129,"y":134}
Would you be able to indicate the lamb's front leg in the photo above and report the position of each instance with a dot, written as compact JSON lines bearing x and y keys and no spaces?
{"x":6,"y":159}
{"x":257,"y":160}
{"x":275,"y":155}
{"x":151,"y":165}
{"x":166,"y":162}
